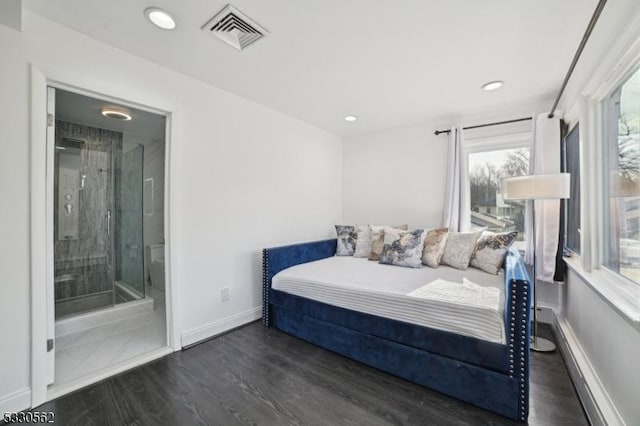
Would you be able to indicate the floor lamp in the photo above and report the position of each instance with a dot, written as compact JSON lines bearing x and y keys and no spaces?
{"x":537,"y":187}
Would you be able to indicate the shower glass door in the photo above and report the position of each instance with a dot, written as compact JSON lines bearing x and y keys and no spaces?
{"x":129,"y":246}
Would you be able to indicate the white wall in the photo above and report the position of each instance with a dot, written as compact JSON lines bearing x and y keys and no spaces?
{"x":609,"y":342}
{"x":399,"y":175}
{"x":395,"y":176}
{"x":243,"y":177}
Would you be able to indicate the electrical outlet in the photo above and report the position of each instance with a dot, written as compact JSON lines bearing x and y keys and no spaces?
{"x":224,"y":294}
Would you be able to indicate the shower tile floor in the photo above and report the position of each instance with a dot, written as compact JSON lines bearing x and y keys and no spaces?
{"x":84,"y":353}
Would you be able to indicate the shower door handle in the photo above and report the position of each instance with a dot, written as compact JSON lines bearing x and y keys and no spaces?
{"x":108,"y":222}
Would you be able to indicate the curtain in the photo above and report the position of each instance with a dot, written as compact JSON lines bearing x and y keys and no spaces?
{"x":457,"y":204}
{"x":544,"y":159}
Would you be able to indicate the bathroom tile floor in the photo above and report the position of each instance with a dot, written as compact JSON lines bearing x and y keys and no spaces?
{"x":83,"y":353}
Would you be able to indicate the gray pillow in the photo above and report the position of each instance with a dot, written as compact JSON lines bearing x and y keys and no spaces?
{"x":435,"y":241}
{"x":346,"y":240}
{"x":491,"y":249}
{"x":459,"y":249}
{"x":403,"y":248}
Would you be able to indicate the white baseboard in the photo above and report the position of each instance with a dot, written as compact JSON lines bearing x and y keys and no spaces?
{"x":210,"y":330}
{"x":599,"y":407}
{"x":17,"y":401}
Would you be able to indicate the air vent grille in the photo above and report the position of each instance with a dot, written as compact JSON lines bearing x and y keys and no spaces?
{"x":234,"y":28}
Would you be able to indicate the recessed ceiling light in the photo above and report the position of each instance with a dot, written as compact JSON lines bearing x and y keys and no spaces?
{"x":350,"y":118}
{"x":492,"y":85}
{"x":117,"y":114}
{"x":160,"y":18}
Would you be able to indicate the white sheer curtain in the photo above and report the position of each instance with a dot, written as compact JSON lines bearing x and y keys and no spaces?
{"x":457,"y":211}
{"x":544,"y":158}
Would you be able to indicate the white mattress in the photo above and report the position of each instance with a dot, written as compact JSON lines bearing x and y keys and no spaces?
{"x":425,"y":296}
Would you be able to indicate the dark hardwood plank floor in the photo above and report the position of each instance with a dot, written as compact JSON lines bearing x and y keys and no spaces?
{"x":260,"y":376}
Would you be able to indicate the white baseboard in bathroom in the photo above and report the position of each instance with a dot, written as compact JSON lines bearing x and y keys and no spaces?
{"x":17,"y":401}
{"x":102,"y":316}
{"x":596,"y":401}
{"x":210,"y":330}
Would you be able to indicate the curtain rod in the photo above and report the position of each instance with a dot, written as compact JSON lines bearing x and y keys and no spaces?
{"x":437,"y":132}
{"x":574,"y":62}
{"x":583,"y":42}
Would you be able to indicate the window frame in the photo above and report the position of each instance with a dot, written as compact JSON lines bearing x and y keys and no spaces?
{"x":590,"y":112}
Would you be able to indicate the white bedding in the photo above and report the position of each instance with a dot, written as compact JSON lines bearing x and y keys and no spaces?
{"x":469,"y":303}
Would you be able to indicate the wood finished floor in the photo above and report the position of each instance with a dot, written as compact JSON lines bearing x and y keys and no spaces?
{"x":260,"y":376}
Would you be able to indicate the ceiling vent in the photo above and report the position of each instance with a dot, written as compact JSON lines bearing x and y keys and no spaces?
{"x":234,"y":28}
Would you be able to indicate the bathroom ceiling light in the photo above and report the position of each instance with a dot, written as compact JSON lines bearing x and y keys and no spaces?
{"x":117,"y":114}
{"x":350,"y":118}
{"x":160,"y":18}
{"x":492,"y":85}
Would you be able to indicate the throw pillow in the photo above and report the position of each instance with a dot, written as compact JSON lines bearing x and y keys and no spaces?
{"x":434,"y":244}
{"x":403,"y":248}
{"x":491,"y":249}
{"x":363,"y":242}
{"x":346,"y":240}
{"x":377,"y":240}
{"x":459,"y":248}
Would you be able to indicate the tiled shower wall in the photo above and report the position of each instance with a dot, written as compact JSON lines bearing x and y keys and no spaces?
{"x":82,"y":262}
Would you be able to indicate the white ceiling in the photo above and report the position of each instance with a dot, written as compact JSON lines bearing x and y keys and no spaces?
{"x":144,"y":127}
{"x":389,"y":63}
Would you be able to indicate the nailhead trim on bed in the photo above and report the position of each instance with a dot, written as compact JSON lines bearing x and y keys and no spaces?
{"x":265,"y":287}
{"x":522,"y":342}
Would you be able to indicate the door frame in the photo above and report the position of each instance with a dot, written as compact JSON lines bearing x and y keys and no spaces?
{"x":41,"y":216}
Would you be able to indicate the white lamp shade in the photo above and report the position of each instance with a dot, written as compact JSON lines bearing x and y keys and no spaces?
{"x":537,"y":187}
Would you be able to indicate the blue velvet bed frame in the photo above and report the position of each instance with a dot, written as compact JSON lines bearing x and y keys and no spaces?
{"x":490,"y":375}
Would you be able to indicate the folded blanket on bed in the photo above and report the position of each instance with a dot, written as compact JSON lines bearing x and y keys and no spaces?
{"x":465,"y":293}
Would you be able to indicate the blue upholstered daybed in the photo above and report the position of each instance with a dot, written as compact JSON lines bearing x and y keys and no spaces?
{"x":490,"y":375}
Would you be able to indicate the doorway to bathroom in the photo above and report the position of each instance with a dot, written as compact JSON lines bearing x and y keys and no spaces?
{"x":106,"y":189}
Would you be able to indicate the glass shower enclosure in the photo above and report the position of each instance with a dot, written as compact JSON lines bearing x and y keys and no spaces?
{"x":98,"y":233}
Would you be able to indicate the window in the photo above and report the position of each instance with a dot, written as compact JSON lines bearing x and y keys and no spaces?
{"x":622,"y":177}
{"x":486,"y":171}
{"x":571,"y":148}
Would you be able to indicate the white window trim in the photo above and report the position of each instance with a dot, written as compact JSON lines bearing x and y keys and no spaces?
{"x":497,"y":143}
{"x":620,"y":292}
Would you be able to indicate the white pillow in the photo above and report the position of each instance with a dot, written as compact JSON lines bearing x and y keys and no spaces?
{"x":363,"y":243}
{"x":459,"y":248}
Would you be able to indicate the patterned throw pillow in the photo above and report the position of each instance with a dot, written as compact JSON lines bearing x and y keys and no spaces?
{"x":346,"y":240}
{"x":403,"y":248}
{"x":459,"y":248}
{"x":434,"y":244}
{"x":363,"y":242}
{"x":491,"y":249}
{"x":377,"y":240}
